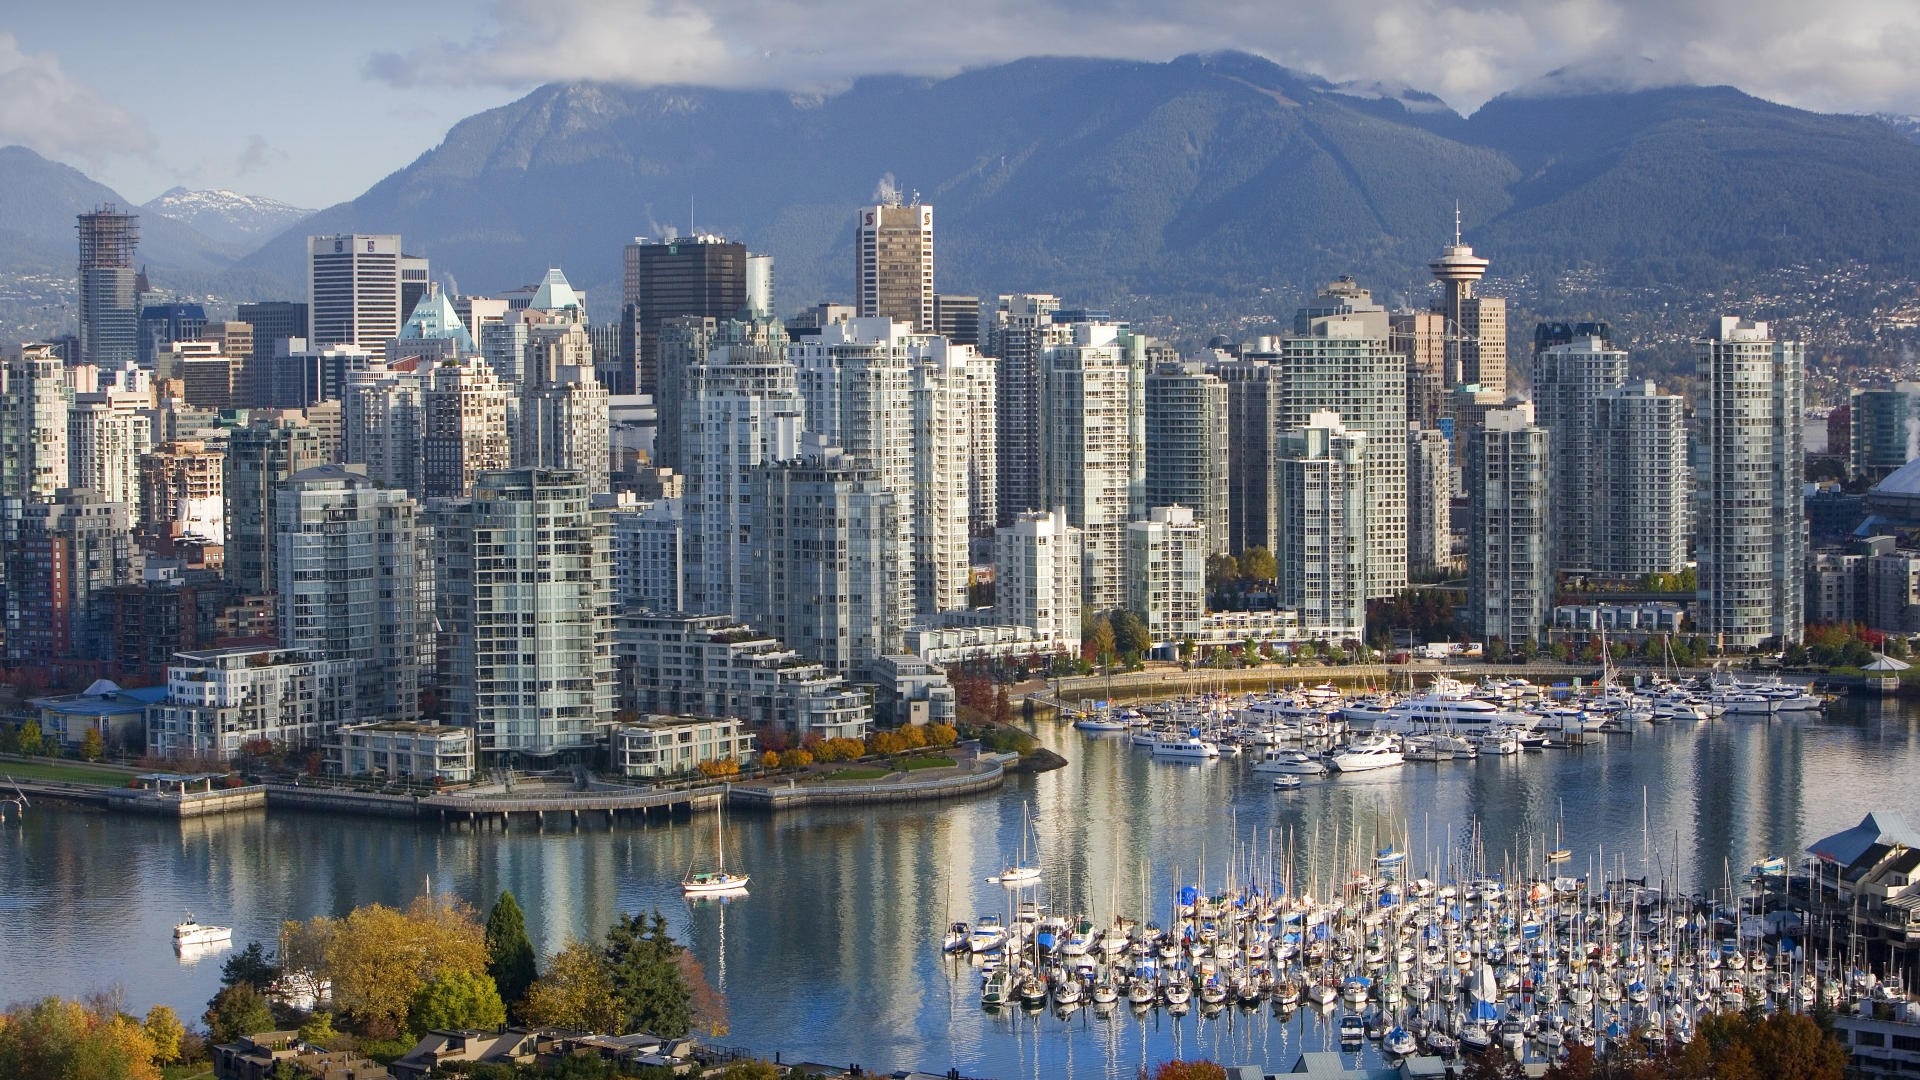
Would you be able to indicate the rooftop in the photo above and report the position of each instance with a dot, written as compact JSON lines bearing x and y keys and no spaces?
{"x":1882,"y":827}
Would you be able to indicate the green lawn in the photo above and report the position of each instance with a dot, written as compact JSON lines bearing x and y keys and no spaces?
{"x":858,"y":774}
{"x":69,"y":772}
{"x":939,"y":761}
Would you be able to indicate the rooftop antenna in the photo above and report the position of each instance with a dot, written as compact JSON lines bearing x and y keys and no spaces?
{"x":692,"y":232}
{"x":1456,"y":223}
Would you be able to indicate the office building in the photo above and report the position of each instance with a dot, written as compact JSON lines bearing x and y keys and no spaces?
{"x":741,"y":409}
{"x":1429,"y":502}
{"x":1186,"y":446}
{"x":205,"y":374}
{"x":72,"y":548}
{"x":713,"y":665}
{"x":823,"y":563}
{"x":273,"y":322}
{"x":1508,"y":481}
{"x":161,"y":325}
{"x":1644,"y":492}
{"x":182,"y":494}
{"x":354,"y":290}
{"x":1094,"y":449}
{"x":219,"y":700}
{"x":1476,"y":326}
{"x":957,"y":318}
{"x":1015,"y":334}
{"x":1322,"y":555}
{"x":466,"y":427}
{"x":1883,"y":429}
{"x":525,"y":610}
{"x":1568,"y":380}
{"x":34,"y":401}
{"x":355,"y":569}
{"x":1421,"y":337}
{"x":703,"y":276}
{"x":1036,"y":579}
{"x":1253,"y":423}
{"x":1751,"y":525}
{"x":274,"y":445}
{"x":893,"y":263}
{"x":1340,"y":359}
{"x":1167,"y":572}
{"x":109,"y":287}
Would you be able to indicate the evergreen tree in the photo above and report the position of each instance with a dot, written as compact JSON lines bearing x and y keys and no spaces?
{"x":510,"y":958}
{"x":646,"y":976}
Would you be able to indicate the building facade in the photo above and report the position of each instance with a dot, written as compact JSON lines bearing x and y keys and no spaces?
{"x":1322,"y":556}
{"x":220,"y":700}
{"x":354,"y":291}
{"x":1167,"y":572}
{"x":893,"y":264}
{"x":1642,"y":488}
{"x":1509,"y":570}
{"x":1429,"y":502}
{"x":663,"y":746}
{"x":1186,"y":446}
{"x":109,"y":287}
{"x":712,"y":665}
{"x":1568,"y":381}
{"x":1094,"y":449}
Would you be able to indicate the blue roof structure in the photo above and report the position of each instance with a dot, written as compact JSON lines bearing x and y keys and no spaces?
{"x":1881,"y":827}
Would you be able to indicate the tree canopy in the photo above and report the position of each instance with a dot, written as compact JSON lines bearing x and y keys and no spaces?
{"x":642,"y":959}
{"x":510,"y":958}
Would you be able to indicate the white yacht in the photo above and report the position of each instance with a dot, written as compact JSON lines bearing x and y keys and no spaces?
{"x":1186,"y":747}
{"x":1377,"y":751}
{"x":987,"y":934}
{"x":1448,"y":706}
{"x":1292,"y":762}
{"x":191,"y":933}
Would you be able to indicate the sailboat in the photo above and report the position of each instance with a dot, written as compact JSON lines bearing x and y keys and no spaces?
{"x":1021,"y":872}
{"x":717,"y":880}
{"x":1560,"y":852}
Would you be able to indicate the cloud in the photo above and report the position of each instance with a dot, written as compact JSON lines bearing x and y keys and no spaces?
{"x":43,"y":108}
{"x":257,"y":155}
{"x":1850,"y":55}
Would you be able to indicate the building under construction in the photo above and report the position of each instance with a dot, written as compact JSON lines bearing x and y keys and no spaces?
{"x":109,"y":293}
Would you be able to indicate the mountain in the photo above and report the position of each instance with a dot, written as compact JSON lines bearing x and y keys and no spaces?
{"x":1219,"y":184}
{"x":226,"y":217}
{"x":38,"y":201}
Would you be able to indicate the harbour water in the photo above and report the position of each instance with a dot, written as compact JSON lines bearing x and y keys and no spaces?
{"x":834,"y":955}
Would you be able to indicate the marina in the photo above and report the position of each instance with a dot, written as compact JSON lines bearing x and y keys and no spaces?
{"x":837,"y":953}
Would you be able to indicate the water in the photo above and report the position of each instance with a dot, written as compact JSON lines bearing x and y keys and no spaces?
{"x":834,"y":955}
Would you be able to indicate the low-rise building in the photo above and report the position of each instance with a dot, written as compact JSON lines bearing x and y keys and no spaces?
{"x":910,"y":690}
{"x":671,"y":745}
{"x":403,"y":750}
{"x":712,"y":665}
{"x":1882,"y":1040}
{"x":120,"y":716}
{"x":1872,"y":871}
{"x":1628,"y":622}
{"x":218,"y":700}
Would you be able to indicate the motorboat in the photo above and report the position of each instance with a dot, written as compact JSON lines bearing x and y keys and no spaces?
{"x":1187,"y":747}
{"x":1287,"y":782}
{"x":956,"y":939}
{"x":1293,"y":762}
{"x":191,"y":933}
{"x":1376,"y":751}
{"x":987,"y":935}
{"x":1448,"y":706}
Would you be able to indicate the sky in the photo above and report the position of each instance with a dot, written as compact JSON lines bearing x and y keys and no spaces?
{"x":313,"y":103}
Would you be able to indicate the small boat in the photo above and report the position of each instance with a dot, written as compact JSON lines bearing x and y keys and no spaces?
{"x":197,"y":933}
{"x":716,"y":881}
{"x":997,"y":990}
{"x":956,"y":939}
{"x":1400,"y":1043}
{"x":1188,"y":747}
{"x":1373,"y":752}
{"x":1286,"y":782}
{"x":1100,"y":722}
{"x":987,"y":934}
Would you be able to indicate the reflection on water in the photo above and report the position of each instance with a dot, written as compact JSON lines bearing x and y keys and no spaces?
{"x":834,"y":954}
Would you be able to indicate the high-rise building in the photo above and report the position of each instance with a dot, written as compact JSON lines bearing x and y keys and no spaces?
{"x":33,"y":424}
{"x":1186,"y":446}
{"x":1751,"y":521}
{"x":1883,"y":429}
{"x":1429,"y":501}
{"x":682,"y":342}
{"x":205,"y":373}
{"x":354,"y":290}
{"x":957,"y":318}
{"x":893,"y":263}
{"x":182,"y":494}
{"x":1340,"y":359}
{"x":649,"y":555}
{"x":526,"y":616}
{"x":824,"y":557}
{"x":1322,"y":554}
{"x":703,"y":276}
{"x":274,"y":445}
{"x":1644,"y":501}
{"x":563,"y":407}
{"x":1167,"y":572}
{"x":1253,"y":424}
{"x":1568,"y":380}
{"x":107,"y":432}
{"x":1476,"y":327}
{"x":466,"y":427}
{"x":1508,"y":480}
{"x":273,"y":322}
{"x":1015,"y":333}
{"x":953,"y":471}
{"x":72,"y":548}
{"x":109,"y":289}
{"x":1036,"y":578}
{"x":383,"y":420}
{"x":355,"y":571}
{"x":1094,"y":448}
{"x":741,"y":409}
{"x":1421,"y":337}
{"x":163,"y":324}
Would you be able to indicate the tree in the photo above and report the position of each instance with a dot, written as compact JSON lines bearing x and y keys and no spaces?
{"x":708,"y":1004}
{"x":164,"y":1030}
{"x":236,"y":1011}
{"x":92,"y":745}
{"x":318,"y":1029}
{"x":252,"y":966}
{"x":1792,"y":1045}
{"x":1190,"y":1070}
{"x":1222,"y":570}
{"x":55,"y":1037}
{"x":575,"y":993}
{"x":1257,"y":563}
{"x":380,"y":957}
{"x":31,"y":743}
{"x":751,"y":1070}
{"x":1100,"y":640}
{"x":1130,"y":634}
{"x":303,"y":955}
{"x":510,"y":958}
{"x":457,"y":1001}
{"x":646,"y":976}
